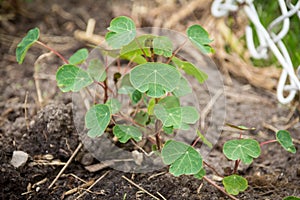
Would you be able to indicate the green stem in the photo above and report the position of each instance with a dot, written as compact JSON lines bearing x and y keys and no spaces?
{"x":54,"y":51}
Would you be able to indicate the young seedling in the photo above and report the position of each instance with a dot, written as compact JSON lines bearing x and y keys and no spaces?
{"x":245,"y":150}
{"x":154,"y":81}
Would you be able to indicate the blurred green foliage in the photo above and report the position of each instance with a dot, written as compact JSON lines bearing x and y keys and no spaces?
{"x":268,"y":11}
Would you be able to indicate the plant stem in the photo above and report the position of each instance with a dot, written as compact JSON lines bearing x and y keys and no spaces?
{"x":105,"y":91}
{"x":157,"y":134}
{"x":176,"y":51}
{"x":212,"y":168}
{"x":196,"y":141}
{"x":141,"y":49}
{"x":236,"y":166}
{"x":219,"y":188}
{"x":267,"y":142}
{"x":54,"y":51}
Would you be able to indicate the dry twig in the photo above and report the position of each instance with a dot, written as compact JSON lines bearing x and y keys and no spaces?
{"x":66,"y":165}
{"x":139,"y":187}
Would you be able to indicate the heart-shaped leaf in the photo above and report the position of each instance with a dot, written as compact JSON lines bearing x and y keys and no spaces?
{"x":79,"y":56}
{"x":124,"y":133}
{"x":97,"y":70}
{"x":122,"y":32}
{"x":22,"y":48}
{"x":154,"y":79}
{"x":177,"y":117}
{"x":97,"y":119}
{"x":72,"y":78}
{"x":235,"y":184}
{"x":244,"y":149}
{"x":200,"y":38}
{"x":190,"y":69}
{"x":114,"y":105}
{"x":182,"y":158}
{"x":285,"y":139}
{"x":163,"y":46}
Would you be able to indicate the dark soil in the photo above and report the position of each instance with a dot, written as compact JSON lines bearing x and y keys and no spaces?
{"x":48,"y":135}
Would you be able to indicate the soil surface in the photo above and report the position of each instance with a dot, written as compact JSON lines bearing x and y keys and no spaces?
{"x":46,"y":132}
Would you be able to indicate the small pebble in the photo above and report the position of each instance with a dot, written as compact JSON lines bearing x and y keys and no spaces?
{"x":19,"y":158}
{"x":87,"y":159}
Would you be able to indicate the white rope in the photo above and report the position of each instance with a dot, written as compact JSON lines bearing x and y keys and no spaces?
{"x":268,"y":40}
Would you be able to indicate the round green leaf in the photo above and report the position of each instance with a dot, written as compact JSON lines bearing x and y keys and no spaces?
{"x":22,"y":48}
{"x":97,"y":70}
{"x":155,"y":79}
{"x":178,"y":117}
{"x":124,"y":133}
{"x":163,"y":46}
{"x":72,"y":78}
{"x":190,"y":69}
{"x":285,"y":139}
{"x":122,"y":32}
{"x":244,"y":149}
{"x":200,"y":38}
{"x":79,"y":56}
{"x":235,"y":184}
{"x":182,"y":158}
{"x":114,"y":105}
{"x":97,"y":119}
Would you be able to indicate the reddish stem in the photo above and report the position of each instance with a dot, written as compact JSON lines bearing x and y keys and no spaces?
{"x":176,"y":51}
{"x":196,"y":141}
{"x":138,"y":43}
{"x":212,"y":168}
{"x":267,"y":142}
{"x":236,"y":166}
{"x":219,"y":188}
{"x":54,"y":51}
